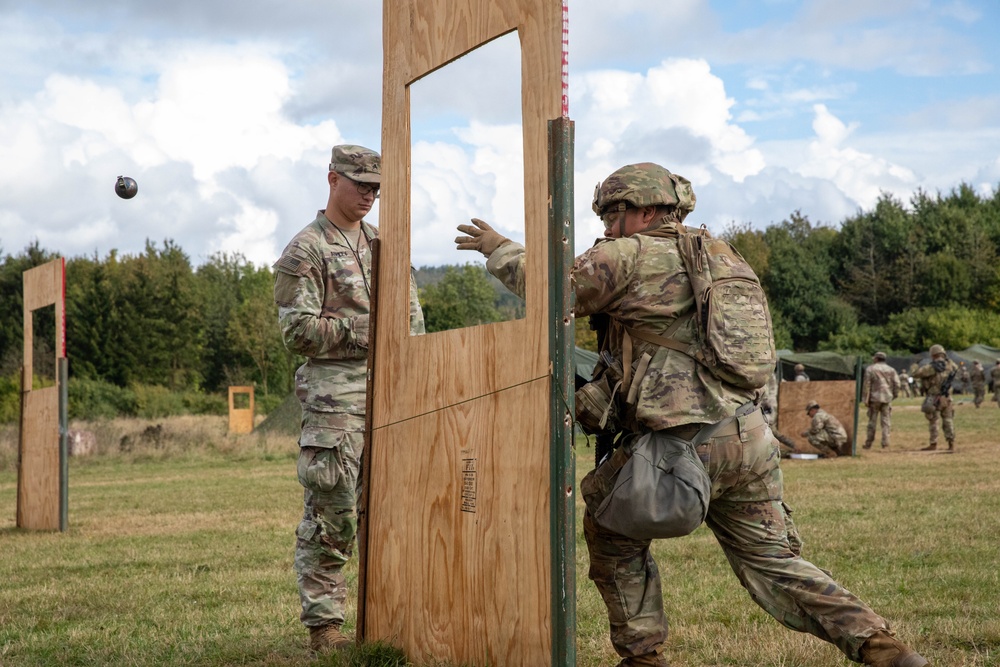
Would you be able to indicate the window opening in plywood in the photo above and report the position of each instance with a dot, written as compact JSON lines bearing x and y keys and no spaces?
{"x":466,"y":161}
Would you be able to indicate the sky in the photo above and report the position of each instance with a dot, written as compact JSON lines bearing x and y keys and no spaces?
{"x":225,"y":112}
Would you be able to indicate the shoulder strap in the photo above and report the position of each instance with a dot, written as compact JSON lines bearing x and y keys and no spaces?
{"x":665,"y":339}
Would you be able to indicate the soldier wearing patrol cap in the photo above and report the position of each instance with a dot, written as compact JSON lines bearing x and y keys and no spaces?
{"x":879,"y":388}
{"x":636,"y":276}
{"x":936,"y":378}
{"x":825,"y":431}
{"x":322,"y":287}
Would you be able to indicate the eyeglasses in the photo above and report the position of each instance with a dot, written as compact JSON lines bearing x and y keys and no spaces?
{"x":365,"y":189}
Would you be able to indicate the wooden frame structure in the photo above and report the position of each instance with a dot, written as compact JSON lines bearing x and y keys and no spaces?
{"x":43,"y":457}
{"x":467,"y":514}
{"x":240,"y":419}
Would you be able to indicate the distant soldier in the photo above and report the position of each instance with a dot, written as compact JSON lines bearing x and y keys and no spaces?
{"x":904,"y":384}
{"x":978,"y":378}
{"x":826,"y":433}
{"x":879,"y":388}
{"x":995,"y":377}
{"x":800,"y":373}
{"x":918,"y":387}
{"x":963,"y":378}
{"x":936,"y":379}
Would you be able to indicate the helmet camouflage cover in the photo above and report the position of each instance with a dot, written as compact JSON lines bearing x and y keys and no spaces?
{"x":645,"y":184}
{"x":936,"y":349}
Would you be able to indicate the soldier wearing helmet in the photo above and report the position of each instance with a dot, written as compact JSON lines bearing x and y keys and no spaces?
{"x":977,"y":376}
{"x":881,"y":385}
{"x":636,"y":278}
{"x":800,"y":373}
{"x":937,"y":379}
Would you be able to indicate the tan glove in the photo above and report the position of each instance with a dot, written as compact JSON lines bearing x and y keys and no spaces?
{"x":482,"y":237}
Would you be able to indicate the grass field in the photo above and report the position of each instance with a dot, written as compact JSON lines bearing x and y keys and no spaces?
{"x":179,"y":553}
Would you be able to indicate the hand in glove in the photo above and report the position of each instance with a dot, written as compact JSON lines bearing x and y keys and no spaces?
{"x":481,"y":237}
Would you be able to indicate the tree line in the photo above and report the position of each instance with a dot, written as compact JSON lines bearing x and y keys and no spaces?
{"x":898,"y":278}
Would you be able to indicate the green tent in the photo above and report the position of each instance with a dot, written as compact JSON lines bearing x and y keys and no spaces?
{"x":819,"y":365}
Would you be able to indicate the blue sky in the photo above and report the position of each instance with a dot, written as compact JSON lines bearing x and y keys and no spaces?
{"x":225,"y":112}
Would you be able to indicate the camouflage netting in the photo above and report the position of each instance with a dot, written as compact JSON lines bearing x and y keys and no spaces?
{"x":284,"y":419}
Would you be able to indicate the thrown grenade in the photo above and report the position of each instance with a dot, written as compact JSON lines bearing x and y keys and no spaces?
{"x":126,"y":187}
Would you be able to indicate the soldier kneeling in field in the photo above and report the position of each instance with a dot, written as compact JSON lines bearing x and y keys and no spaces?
{"x":826,"y":433}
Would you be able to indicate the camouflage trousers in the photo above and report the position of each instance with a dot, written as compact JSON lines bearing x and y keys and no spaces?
{"x":825,"y":443}
{"x":979,"y":392}
{"x":755,"y":530}
{"x":882,"y":412}
{"x":944,"y":413}
{"x":325,"y":537}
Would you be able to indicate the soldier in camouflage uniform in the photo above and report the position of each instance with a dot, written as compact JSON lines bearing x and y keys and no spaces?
{"x":879,"y":388}
{"x":977,"y":376}
{"x":825,"y":432}
{"x":904,"y":384}
{"x":937,"y":404}
{"x":322,"y":287}
{"x":636,"y":275}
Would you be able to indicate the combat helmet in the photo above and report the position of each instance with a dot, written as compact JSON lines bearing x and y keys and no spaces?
{"x":936,"y":349}
{"x":644,"y":184}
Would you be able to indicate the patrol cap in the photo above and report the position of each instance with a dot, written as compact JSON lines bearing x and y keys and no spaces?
{"x":880,"y":356}
{"x":810,"y":405}
{"x":357,"y":163}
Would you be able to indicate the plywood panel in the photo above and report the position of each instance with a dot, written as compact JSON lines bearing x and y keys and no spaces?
{"x":240,"y":419}
{"x":458,"y":562}
{"x":459,"y":570}
{"x":38,"y":476}
{"x":40,"y":481}
{"x":835,"y":396}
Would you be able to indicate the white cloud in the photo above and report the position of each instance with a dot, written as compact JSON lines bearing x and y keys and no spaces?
{"x":859,"y":175}
{"x":676,"y":106}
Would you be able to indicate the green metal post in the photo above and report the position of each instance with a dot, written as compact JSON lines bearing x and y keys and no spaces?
{"x":859,"y":368}
{"x":562,"y":495}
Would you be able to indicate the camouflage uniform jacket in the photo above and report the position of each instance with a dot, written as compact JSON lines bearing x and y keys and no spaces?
{"x":881,"y":384}
{"x":322,"y":291}
{"x":932,"y":379}
{"x":641,"y":283}
{"x":824,"y":421}
{"x":978,"y":376}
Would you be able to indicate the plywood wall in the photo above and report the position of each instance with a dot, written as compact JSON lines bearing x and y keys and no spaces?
{"x":40,"y":472}
{"x":241,"y":419}
{"x":835,"y":396}
{"x":458,"y":528}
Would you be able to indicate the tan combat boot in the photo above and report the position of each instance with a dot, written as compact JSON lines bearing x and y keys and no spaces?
{"x":326,"y":638}
{"x":884,"y":650}
{"x":930,"y":448}
{"x":951,"y":445}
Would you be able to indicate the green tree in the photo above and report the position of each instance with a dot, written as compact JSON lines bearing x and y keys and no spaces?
{"x":253,"y":328}
{"x":462,"y":298}
{"x":798,"y":282}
